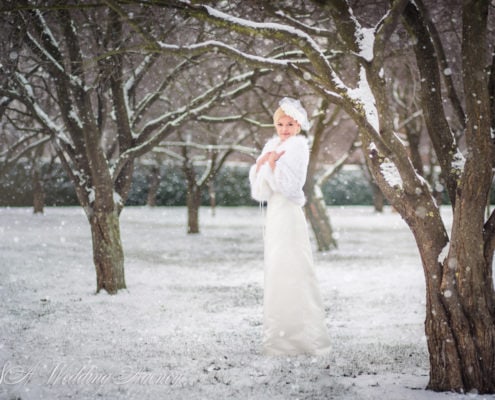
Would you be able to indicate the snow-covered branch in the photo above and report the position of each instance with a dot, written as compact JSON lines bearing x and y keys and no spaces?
{"x":174,"y":118}
{"x":310,"y":30}
{"x":168,"y":152}
{"x":205,"y":100}
{"x":282,"y":32}
{"x":155,"y":135}
{"x":48,"y":49}
{"x":138,"y":72}
{"x":6,"y":158}
{"x":337,"y":166}
{"x":137,"y":113}
{"x":233,"y":118}
{"x":38,"y":112}
{"x":210,"y":147}
{"x":124,"y":16}
{"x":218,"y":46}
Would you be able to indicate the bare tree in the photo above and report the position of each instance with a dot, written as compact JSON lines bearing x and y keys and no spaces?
{"x":200,"y":163}
{"x":104,"y":112}
{"x":21,"y":142}
{"x":316,"y":209}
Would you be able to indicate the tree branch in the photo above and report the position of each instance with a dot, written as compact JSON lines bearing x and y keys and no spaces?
{"x":444,"y":66}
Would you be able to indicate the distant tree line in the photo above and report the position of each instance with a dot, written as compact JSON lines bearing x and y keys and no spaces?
{"x":231,"y":187}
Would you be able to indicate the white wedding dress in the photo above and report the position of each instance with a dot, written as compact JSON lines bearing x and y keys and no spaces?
{"x":293,"y":312}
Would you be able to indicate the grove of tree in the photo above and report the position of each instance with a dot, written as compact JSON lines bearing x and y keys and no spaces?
{"x":78,"y":72}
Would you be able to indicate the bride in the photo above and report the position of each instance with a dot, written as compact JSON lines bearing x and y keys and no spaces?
{"x":293,"y":313}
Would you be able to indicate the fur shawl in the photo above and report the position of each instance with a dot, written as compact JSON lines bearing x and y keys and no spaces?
{"x":289,"y":175}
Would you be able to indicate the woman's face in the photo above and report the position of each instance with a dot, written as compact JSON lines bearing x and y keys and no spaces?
{"x":286,"y":127}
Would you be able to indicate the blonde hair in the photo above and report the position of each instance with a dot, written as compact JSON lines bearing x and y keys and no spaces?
{"x":279,"y":113}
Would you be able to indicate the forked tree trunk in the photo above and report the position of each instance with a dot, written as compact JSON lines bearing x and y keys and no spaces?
{"x":193,"y":203}
{"x":459,"y":322}
{"x":317,"y":215}
{"x":108,"y":254}
{"x":470,"y":312}
{"x":445,"y":371}
{"x":467,"y":286}
{"x":460,"y":310}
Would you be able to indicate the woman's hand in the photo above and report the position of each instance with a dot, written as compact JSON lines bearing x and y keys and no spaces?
{"x":262,"y":160}
{"x":271,"y":158}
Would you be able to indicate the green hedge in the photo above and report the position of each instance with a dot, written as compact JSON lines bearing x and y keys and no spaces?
{"x":17,"y":186}
{"x":348,"y":187}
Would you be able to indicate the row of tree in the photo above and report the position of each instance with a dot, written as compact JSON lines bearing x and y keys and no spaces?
{"x":107,"y":82}
{"x":91,"y":95}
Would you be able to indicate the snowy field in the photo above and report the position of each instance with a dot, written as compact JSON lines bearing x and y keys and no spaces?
{"x":189,"y":325}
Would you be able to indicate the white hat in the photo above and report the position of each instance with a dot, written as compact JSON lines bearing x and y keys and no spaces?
{"x":294,"y":109}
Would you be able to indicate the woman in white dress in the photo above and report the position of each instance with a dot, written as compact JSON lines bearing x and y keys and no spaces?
{"x":293,"y":313}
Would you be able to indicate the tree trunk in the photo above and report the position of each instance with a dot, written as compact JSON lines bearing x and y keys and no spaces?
{"x":108,"y":254}
{"x":467,"y":286}
{"x":193,"y":203}
{"x":459,"y":316}
{"x":153,"y":184}
{"x":316,"y":212}
{"x":38,"y":192}
{"x":213,"y":197}
{"x":37,"y":182}
{"x":468,"y":304}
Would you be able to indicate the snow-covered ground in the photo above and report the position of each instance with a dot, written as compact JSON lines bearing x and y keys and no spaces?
{"x":189,"y":325}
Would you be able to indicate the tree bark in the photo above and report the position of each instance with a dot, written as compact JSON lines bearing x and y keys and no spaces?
{"x":431,"y":99}
{"x":378,"y":197}
{"x":193,"y":201}
{"x":445,"y":371}
{"x":38,"y":192}
{"x":108,"y":254}
{"x":459,"y":315}
{"x":376,"y":192}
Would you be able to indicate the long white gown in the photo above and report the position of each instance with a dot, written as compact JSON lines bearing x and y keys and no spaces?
{"x":293,"y":312}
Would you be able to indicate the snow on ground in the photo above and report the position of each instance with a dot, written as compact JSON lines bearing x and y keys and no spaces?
{"x":189,"y":325}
